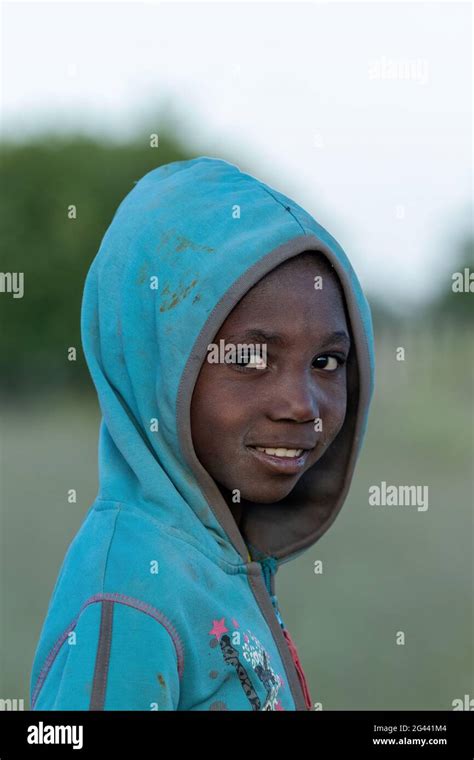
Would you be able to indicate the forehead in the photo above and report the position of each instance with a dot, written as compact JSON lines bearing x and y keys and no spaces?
{"x":290,"y":293}
{"x":304,"y":264}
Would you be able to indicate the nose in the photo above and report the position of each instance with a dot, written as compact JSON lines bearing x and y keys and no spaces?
{"x":295,"y":398}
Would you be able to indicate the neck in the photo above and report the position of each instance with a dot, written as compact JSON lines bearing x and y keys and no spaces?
{"x":236,"y":508}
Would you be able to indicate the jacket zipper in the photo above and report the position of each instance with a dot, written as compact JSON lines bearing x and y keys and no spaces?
{"x":269,"y":566}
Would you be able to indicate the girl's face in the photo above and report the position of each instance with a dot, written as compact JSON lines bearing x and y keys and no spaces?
{"x":239,"y":407}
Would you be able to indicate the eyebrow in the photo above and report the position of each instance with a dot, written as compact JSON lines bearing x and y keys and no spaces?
{"x":263,"y":336}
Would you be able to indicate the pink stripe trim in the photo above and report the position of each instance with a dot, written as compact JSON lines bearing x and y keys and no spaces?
{"x":119,"y":599}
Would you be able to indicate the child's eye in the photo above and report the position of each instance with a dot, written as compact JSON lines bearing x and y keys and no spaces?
{"x":335,"y":361}
{"x":251,"y":361}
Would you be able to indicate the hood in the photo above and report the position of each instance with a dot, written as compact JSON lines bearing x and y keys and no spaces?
{"x":164,"y":279}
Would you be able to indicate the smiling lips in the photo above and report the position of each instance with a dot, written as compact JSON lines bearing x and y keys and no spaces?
{"x":281,"y":452}
{"x":282,"y":459}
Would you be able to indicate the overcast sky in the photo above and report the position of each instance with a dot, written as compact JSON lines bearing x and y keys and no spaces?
{"x":361,"y":112}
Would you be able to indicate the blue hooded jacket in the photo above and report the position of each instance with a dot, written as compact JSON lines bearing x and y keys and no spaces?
{"x":162,"y":601}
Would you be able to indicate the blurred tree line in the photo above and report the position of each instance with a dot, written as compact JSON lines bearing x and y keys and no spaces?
{"x":39,"y":180}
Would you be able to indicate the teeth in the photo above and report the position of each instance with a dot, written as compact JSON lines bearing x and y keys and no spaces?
{"x":281,"y":452}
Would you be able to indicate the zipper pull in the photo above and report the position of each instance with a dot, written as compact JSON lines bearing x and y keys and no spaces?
{"x":269,"y":566}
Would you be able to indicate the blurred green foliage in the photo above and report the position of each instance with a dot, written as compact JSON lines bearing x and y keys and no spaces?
{"x":39,"y":181}
{"x":454,"y":304}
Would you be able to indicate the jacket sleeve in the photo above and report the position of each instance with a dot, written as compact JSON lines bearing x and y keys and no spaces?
{"x":117,"y":656}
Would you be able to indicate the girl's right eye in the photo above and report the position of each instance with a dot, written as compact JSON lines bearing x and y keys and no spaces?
{"x":250,"y":361}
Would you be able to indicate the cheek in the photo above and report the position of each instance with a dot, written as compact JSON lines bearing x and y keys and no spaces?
{"x":337,"y":413}
{"x":218,"y":418}
{"x":333,"y":413}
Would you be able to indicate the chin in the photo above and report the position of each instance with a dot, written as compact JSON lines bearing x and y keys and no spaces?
{"x":269,"y":496}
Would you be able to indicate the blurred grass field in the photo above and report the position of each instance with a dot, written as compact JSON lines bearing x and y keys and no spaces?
{"x":385,"y":569}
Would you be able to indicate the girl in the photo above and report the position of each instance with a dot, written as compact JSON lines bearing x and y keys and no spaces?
{"x":211,"y":474}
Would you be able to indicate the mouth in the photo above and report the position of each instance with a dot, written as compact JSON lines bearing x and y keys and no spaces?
{"x":289,"y":461}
